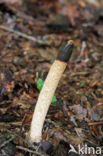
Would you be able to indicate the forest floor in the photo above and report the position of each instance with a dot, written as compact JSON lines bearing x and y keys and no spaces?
{"x":31,"y":34}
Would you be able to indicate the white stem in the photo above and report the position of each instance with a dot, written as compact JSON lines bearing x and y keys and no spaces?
{"x":44,"y":99}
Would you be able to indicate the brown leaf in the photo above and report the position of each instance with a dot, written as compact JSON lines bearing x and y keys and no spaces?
{"x":80,"y":111}
{"x":73,"y":13}
{"x":23,"y":101}
{"x":59,"y":116}
{"x":27,"y":118}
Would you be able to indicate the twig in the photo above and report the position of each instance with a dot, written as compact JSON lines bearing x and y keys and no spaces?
{"x":95,"y":123}
{"x":21,"y":14}
{"x":30,"y":151}
{"x":29,"y":144}
{"x":55,"y":124}
{"x":7,"y":141}
{"x":18,"y":123}
{"x":28,"y":37}
{"x":82,"y":51}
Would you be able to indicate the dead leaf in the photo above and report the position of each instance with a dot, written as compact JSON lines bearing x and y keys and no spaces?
{"x":73,"y":13}
{"x":23,"y":101}
{"x":81,"y":112}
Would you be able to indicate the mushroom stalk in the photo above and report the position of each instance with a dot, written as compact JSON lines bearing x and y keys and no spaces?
{"x":48,"y":91}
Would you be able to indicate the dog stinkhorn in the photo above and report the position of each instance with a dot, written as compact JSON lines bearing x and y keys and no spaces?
{"x":48,"y":91}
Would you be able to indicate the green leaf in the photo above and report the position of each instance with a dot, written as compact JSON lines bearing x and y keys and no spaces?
{"x":40,"y":84}
{"x":82,"y":84}
{"x":54,"y":99}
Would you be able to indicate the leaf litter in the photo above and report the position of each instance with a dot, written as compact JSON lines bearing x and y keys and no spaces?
{"x":31,"y":34}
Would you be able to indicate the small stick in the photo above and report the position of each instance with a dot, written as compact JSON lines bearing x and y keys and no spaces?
{"x":95,"y":123}
{"x":28,"y":37}
{"x":48,"y":90}
{"x":7,"y":141}
{"x":30,"y":151}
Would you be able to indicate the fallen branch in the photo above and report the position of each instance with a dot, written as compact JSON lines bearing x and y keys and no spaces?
{"x":23,"y":35}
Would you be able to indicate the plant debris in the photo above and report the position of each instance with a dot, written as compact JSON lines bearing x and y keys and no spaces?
{"x":31,"y":34}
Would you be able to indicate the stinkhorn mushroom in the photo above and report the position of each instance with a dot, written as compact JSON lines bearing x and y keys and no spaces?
{"x":48,"y":91}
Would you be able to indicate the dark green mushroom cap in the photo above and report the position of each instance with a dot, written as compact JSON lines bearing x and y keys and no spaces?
{"x":65,"y":52}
